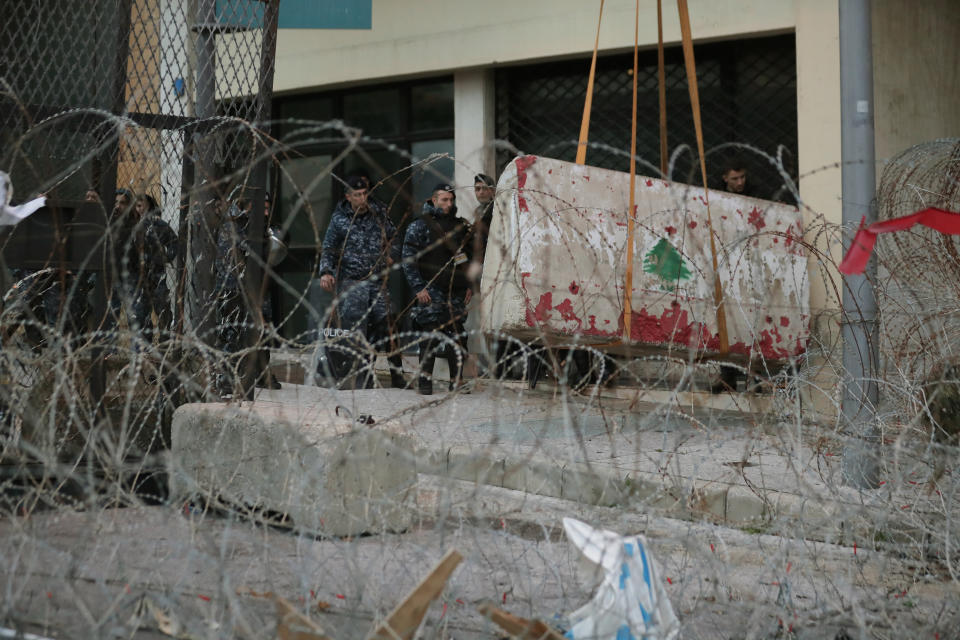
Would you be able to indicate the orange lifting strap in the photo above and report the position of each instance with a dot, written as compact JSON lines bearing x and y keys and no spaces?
{"x":691,"y":69}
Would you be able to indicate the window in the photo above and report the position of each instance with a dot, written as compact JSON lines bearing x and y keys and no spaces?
{"x":375,"y":112}
{"x":748,"y":94}
{"x":431,"y":107}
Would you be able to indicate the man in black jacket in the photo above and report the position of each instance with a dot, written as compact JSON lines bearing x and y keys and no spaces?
{"x":734,"y":177}
{"x":435,"y":261}
{"x":484,"y":188}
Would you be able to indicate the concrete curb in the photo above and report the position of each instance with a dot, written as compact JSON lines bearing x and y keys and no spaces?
{"x":772,"y":512}
{"x":450,"y":438}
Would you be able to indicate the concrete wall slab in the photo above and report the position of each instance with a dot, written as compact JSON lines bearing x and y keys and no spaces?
{"x":555,"y":265}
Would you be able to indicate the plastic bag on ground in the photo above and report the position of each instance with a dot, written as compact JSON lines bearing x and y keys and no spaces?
{"x":631,"y":602}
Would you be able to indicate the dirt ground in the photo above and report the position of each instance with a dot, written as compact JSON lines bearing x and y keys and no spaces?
{"x":176,"y":571}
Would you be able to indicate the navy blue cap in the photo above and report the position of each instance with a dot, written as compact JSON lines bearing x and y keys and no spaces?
{"x":357,"y":182}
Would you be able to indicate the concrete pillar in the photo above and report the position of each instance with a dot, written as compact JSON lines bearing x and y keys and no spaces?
{"x":818,"y":137}
{"x":818,"y":128}
{"x":474,"y":131}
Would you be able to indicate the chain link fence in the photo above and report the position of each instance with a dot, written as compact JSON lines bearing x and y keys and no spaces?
{"x":153,"y":98}
{"x":120,"y":83}
{"x":136,"y":119}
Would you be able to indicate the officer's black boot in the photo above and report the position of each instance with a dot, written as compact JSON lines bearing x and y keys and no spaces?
{"x":366,"y":377}
{"x":727,"y":380}
{"x":427,"y":359}
{"x":455,"y":365}
{"x":500,"y":366}
{"x":397,"y":381}
{"x":428,"y":356}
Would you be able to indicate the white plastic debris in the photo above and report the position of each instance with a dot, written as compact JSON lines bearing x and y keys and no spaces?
{"x":631,"y":602}
{"x":10,"y":216}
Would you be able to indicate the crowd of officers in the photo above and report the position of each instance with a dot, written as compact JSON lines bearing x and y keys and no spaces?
{"x":438,"y":256}
{"x":140,"y":245}
{"x":146,"y":244}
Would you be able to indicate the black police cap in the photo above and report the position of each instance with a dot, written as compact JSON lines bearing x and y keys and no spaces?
{"x":357,"y":182}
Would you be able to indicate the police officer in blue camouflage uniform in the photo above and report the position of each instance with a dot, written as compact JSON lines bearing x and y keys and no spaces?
{"x":234,"y":312}
{"x":233,"y":317}
{"x":155,"y":246}
{"x":435,"y":261}
{"x":121,"y":248}
{"x":359,"y":247}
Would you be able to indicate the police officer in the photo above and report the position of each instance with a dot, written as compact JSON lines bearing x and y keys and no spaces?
{"x":734,"y":177}
{"x":484,"y":188}
{"x":155,"y":244}
{"x":359,"y":247}
{"x":507,"y":354}
{"x":122,"y":247}
{"x":435,"y":261}
{"x":229,"y":266}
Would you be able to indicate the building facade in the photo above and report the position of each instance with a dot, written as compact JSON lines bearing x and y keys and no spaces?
{"x":483,"y":81}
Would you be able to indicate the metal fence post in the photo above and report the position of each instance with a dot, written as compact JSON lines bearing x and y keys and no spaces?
{"x":254,"y":283}
{"x":203,"y":209}
{"x":108,"y":160}
{"x":860,"y":354}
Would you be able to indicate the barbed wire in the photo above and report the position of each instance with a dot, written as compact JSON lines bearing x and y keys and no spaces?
{"x":154,"y":505}
{"x":485,"y":480}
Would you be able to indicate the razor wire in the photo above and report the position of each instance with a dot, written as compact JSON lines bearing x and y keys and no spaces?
{"x":106,"y":534}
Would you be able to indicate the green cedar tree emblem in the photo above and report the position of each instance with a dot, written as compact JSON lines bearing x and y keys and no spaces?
{"x":667,"y":263}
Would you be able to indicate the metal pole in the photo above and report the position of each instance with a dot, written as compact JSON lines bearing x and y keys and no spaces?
{"x":255,"y":286}
{"x":203,"y":211}
{"x":107,"y":261}
{"x":860,"y":390}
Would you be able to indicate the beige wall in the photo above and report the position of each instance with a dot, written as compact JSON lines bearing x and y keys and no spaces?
{"x":818,"y":136}
{"x":916,"y":63}
{"x":916,"y":78}
{"x":916,"y":93}
{"x":418,"y":37}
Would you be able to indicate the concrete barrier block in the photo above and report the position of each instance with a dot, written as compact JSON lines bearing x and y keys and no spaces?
{"x":465,"y":463}
{"x":533,"y":477}
{"x":559,"y":241}
{"x":332,"y":478}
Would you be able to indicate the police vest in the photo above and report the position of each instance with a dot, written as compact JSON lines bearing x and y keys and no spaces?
{"x":445,"y":262}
